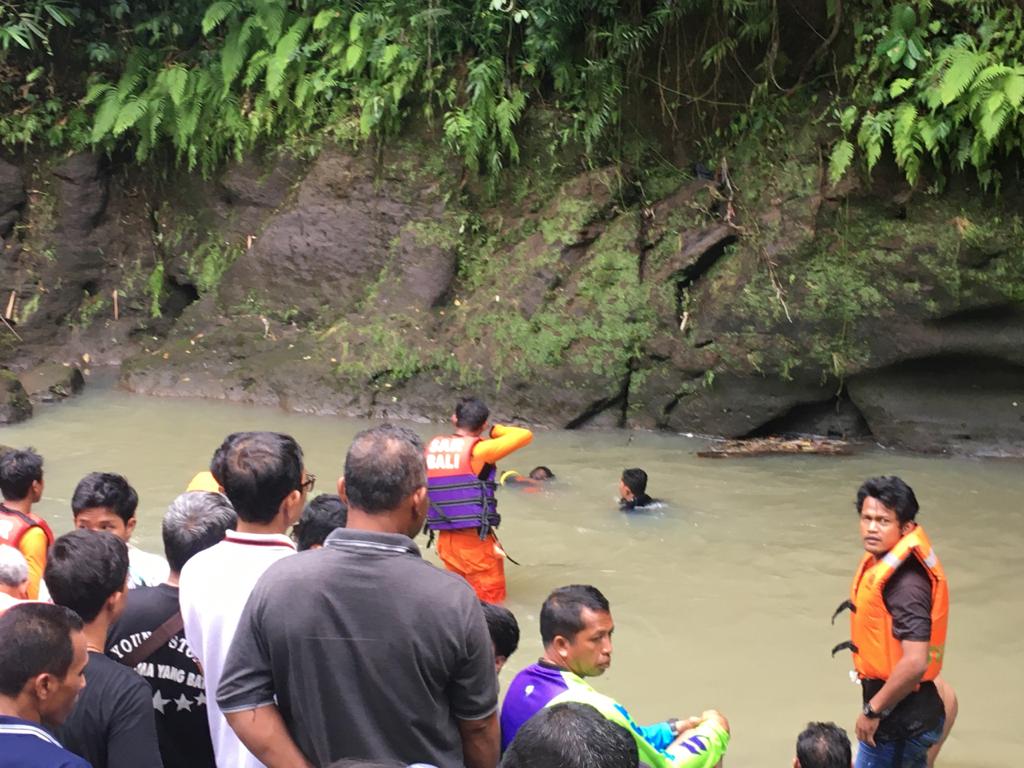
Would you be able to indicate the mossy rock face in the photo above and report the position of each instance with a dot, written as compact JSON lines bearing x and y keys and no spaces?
{"x":14,"y":403}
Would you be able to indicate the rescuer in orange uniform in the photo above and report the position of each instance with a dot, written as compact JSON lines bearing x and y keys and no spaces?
{"x":21,"y":482}
{"x":461,"y":480}
{"x":899,"y":604}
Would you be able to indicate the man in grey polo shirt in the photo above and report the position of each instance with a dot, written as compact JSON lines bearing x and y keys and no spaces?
{"x":367,"y":650}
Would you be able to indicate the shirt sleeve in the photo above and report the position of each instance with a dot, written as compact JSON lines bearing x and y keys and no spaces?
{"x":247,"y":681}
{"x":908,"y":598}
{"x":132,"y":738}
{"x":660,"y":735}
{"x":503,"y":441}
{"x":33,"y":546}
{"x":703,"y":747}
{"x":474,"y":685}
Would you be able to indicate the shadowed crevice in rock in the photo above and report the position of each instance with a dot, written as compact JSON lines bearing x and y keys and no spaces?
{"x":618,"y":401}
{"x":837,"y":417}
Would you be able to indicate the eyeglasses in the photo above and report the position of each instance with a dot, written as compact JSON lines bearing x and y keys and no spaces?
{"x":308,"y":483}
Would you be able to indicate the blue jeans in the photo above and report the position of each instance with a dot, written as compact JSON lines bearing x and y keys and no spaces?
{"x":911,"y":753}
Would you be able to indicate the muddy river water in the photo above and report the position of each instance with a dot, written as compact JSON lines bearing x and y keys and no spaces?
{"x":722,"y":598}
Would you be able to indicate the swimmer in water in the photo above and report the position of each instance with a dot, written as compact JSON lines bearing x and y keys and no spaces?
{"x":633,"y":490}
{"x":532,"y":482}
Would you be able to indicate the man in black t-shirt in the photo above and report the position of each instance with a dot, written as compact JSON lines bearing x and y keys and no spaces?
{"x":150,"y":635}
{"x":900,"y":603}
{"x":112,"y":724}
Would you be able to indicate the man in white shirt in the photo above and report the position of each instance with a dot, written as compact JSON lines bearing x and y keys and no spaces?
{"x":263,"y":477}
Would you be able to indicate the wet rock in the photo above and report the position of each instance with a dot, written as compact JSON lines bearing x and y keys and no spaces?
{"x":250,"y":184}
{"x":951,"y":403}
{"x":83,"y":193}
{"x":321,"y":256}
{"x":12,"y":196}
{"x":14,"y":402}
{"x":52,"y":381}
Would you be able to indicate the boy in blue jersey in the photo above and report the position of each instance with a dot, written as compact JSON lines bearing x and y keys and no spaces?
{"x":42,"y":664}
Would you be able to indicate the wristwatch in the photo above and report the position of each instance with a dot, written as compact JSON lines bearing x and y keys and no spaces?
{"x":673,"y":723}
{"x":870,"y":714}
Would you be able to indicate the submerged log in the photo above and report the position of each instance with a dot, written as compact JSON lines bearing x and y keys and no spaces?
{"x":768,"y":446}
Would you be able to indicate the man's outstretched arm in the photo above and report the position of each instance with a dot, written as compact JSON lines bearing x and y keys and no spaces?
{"x":502,"y":441}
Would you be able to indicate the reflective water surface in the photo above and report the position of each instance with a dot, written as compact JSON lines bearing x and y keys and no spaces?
{"x":722,"y":598}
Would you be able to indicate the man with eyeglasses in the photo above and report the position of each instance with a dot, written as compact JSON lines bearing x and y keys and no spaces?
{"x":262,"y":475}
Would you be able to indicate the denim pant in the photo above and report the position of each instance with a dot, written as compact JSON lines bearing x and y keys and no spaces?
{"x":911,"y":753}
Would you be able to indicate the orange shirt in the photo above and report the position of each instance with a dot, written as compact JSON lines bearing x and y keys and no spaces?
{"x":503,"y":441}
{"x":33,"y":546}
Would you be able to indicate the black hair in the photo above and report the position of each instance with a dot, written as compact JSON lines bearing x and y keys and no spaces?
{"x":471,"y":413}
{"x":350,"y":762}
{"x":195,"y":520}
{"x":571,"y":735}
{"x":384,"y":465}
{"x":893,"y":493}
{"x":823,"y":745}
{"x":541,"y":473}
{"x":84,"y":568}
{"x":321,"y":516}
{"x":37,"y":640}
{"x":503,"y":628}
{"x":18,"y":470}
{"x":636,"y":480}
{"x":257,"y":471}
{"x":105,"y":489}
{"x":562,"y":612}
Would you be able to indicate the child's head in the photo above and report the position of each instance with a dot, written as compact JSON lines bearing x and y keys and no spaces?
{"x":541,"y":474}
{"x":633,"y":484}
{"x":321,"y":516}
{"x":504,"y":631}
{"x":104,"y":501}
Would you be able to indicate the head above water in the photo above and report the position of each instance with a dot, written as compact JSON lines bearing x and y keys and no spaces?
{"x":87,"y":571}
{"x":576,"y":628}
{"x":385,"y":481}
{"x":634,"y":480}
{"x":541,"y":473}
{"x":471,"y":414}
{"x":822,"y":745}
{"x":21,"y":475}
{"x":13,"y":572}
{"x":571,"y":735}
{"x":104,"y":501}
{"x":194,"y":521}
{"x":42,"y":673}
{"x":887,"y":508}
{"x":504,"y":631}
{"x":262,"y":475}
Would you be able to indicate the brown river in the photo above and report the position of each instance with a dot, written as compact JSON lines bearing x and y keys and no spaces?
{"x":721,"y":598}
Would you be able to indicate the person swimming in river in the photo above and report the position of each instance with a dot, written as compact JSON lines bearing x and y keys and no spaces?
{"x":530,"y":483}
{"x":633,"y":490}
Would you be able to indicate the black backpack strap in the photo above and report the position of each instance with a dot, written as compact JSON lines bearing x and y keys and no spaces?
{"x":844,"y":646}
{"x":845,"y":605}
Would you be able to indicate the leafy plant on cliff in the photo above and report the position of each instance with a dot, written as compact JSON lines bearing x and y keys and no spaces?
{"x":940,"y":83}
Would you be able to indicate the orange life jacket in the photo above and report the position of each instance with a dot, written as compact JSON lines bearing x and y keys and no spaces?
{"x":14,"y":525}
{"x":459,"y":497}
{"x":875,"y":650}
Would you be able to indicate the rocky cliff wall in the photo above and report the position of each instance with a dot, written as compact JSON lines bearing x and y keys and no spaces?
{"x":758,"y":301}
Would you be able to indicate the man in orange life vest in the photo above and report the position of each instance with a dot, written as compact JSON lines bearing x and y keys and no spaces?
{"x":899,"y":602}
{"x":461,"y":479}
{"x":21,"y":482}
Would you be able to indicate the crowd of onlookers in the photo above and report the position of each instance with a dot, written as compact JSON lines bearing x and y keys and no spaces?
{"x":334,"y":645}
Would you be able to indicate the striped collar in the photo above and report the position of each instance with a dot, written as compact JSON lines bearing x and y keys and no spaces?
{"x":15,"y":726}
{"x":355,"y":540}
{"x":259,"y":539}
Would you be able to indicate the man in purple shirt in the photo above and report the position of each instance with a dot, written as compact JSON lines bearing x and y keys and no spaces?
{"x":576,"y":628}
